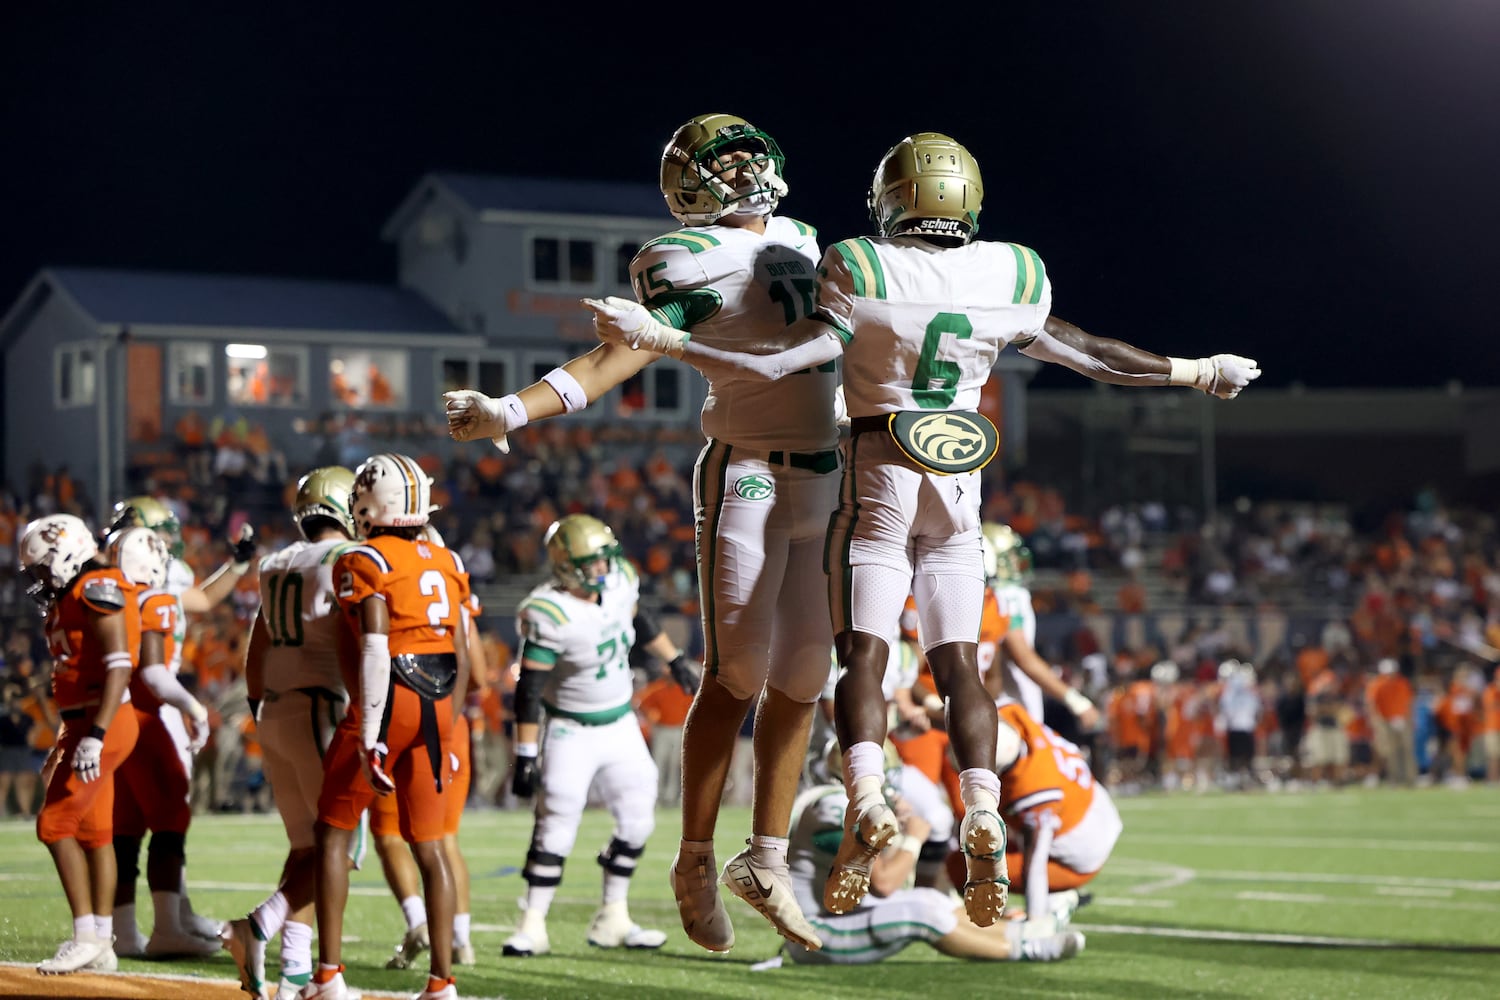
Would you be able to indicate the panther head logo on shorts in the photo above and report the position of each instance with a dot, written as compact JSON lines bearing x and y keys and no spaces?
{"x":754,"y":487}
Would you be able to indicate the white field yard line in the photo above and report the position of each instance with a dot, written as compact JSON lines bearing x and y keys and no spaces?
{"x":1304,"y":843}
{"x":1132,"y":866}
{"x":177,"y":978}
{"x":1196,"y":934}
{"x":1318,"y":899}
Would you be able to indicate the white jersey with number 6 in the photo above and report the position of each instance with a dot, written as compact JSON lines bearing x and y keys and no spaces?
{"x":587,"y":643}
{"x":922,"y":326}
{"x":300,"y":612}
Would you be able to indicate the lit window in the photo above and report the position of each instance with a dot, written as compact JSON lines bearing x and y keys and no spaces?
{"x":370,"y":379}
{"x":261,"y":375}
{"x":73,"y":366}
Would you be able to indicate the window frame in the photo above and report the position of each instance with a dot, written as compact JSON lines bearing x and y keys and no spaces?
{"x":564,"y":237}
{"x":300,"y":351}
{"x":175,"y":350}
{"x":75,"y":350}
{"x":404,"y":390}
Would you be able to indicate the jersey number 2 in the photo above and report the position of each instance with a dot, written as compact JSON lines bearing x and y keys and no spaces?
{"x":432,"y":584}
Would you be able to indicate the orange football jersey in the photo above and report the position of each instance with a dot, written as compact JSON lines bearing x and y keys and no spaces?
{"x":424,"y":586}
{"x":159,"y":611}
{"x":1051,"y":777}
{"x":78,"y":677}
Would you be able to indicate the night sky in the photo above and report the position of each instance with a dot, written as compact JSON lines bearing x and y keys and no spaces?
{"x":1310,"y":182}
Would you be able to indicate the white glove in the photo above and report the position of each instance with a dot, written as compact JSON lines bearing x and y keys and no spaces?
{"x":623,"y":321}
{"x":473,"y":415}
{"x":197,"y":721}
{"x":840,"y":408}
{"x":86,"y":758}
{"x":1224,"y":375}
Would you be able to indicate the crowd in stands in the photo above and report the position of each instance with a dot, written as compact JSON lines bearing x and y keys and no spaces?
{"x":1419,"y":588}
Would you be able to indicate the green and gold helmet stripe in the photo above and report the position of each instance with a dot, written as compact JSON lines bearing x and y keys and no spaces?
{"x":869,"y":277}
{"x":1029,"y":275}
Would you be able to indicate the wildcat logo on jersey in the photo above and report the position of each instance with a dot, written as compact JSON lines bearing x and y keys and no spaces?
{"x":754,"y":488}
{"x":946,"y":443}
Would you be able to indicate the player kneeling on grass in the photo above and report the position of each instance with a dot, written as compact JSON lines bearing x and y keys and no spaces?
{"x":407,"y":600}
{"x":576,"y":634}
{"x":890,"y":916}
{"x":1063,"y":825}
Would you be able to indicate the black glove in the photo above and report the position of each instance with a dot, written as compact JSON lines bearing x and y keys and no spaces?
{"x":683,"y":674}
{"x":244,"y":546}
{"x":525,"y":777}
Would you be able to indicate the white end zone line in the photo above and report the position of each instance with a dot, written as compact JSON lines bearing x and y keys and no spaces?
{"x":1298,"y":940}
{"x":179,"y":978}
{"x":1167,"y":873}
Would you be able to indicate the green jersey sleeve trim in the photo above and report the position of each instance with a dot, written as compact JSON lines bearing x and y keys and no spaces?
{"x":1030,"y":275}
{"x":537,"y":654}
{"x":864,"y":268}
{"x":545,"y":607}
{"x":695,"y":241}
{"x":684,"y":310}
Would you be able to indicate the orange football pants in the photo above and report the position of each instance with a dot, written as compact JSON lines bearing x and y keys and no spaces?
{"x":83,"y":810}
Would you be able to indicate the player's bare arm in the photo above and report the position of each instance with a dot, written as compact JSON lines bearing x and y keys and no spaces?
{"x":1118,"y":363}
{"x":1032,"y":665}
{"x":461,"y":656}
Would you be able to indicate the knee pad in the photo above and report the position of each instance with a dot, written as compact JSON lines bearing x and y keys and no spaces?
{"x":543,"y":869}
{"x":620,"y":857}
{"x":128,"y":858}
{"x":802,"y":678}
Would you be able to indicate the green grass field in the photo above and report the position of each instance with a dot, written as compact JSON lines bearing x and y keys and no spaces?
{"x":1368,"y":893}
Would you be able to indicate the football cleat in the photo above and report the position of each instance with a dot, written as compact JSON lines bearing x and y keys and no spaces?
{"x":613,"y":928}
{"x":174,"y":943}
{"x":463,"y":954}
{"x":106,"y":962}
{"x":769,"y":890}
{"x":197,"y":924}
{"x":864,"y":838}
{"x":288,"y":990}
{"x":448,"y":992}
{"x":72,"y":955}
{"x":413,"y":944}
{"x":704,"y":918}
{"x":249,"y":953}
{"x":130,"y":944}
{"x":530,"y":938}
{"x":982,"y":836}
{"x":333,"y":989}
{"x":1053,"y":947}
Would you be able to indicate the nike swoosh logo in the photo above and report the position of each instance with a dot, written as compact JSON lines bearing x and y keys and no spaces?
{"x":765,"y":890}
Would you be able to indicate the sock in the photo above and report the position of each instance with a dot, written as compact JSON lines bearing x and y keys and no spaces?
{"x":539,"y":899}
{"x":125,"y":918}
{"x":615,"y":887}
{"x":436,"y":985}
{"x":415,"y":911}
{"x":460,"y":929}
{"x":266,"y":920}
{"x":690,"y":851}
{"x":168,"y":912}
{"x":979,"y":787}
{"x":296,"y":951}
{"x":768,"y":852}
{"x":105,"y":927}
{"x":864,"y":774}
{"x":83,"y":927}
{"x":326,"y":972}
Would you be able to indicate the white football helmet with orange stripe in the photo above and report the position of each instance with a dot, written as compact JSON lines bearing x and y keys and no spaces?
{"x":390,"y":491}
{"x":141,"y":555}
{"x":54,"y":550}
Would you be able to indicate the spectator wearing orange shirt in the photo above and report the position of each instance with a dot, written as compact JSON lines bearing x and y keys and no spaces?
{"x":1458,"y":716}
{"x":1388,"y":699}
{"x":1492,"y":728}
{"x":664,"y":705}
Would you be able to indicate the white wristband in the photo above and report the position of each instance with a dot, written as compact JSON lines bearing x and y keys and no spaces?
{"x":1184,"y":371}
{"x":1077,"y":702}
{"x":525,"y":749}
{"x":909,"y":845}
{"x":515,"y":412}
{"x":567,"y":388}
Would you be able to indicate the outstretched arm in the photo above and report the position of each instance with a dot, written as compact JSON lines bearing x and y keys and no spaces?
{"x":1118,"y":363}
{"x":473,"y":415}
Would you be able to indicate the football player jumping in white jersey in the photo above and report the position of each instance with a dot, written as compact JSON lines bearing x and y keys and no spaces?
{"x":919,"y":315}
{"x":576,"y":631}
{"x":765,"y":485}
{"x":149,"y":512}
{"x":297,"y":697}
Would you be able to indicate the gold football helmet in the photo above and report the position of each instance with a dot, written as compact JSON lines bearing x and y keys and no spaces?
{"x":325,"y":492}
{"x":693,"y":170}
{"x":927,"y":185}
{"x":149,"y":512}
{"x":1007,"y":560}
{"x":574,"y":544}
